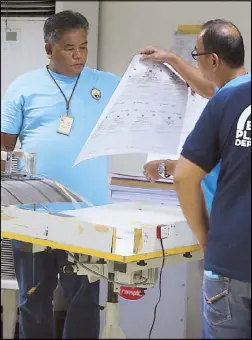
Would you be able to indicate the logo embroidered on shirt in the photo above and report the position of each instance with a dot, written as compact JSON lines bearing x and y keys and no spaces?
{"x":96,"y":94}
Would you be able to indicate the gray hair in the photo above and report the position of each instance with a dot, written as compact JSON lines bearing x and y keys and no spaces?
{"x":63,"y":21}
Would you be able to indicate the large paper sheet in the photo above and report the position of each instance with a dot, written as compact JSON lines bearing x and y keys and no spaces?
{"x":195,"y":107}
{"x":183,"y":45}
{"x":145,"y":114}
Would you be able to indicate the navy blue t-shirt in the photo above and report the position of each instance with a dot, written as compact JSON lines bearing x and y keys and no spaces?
{"x":223,"y":132}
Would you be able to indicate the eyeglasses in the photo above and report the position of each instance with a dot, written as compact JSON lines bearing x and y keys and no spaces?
{"x":194,"y":54}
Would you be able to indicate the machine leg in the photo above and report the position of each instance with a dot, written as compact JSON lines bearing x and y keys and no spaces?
{"x":10,"y":309}
{"x":112,"y":329}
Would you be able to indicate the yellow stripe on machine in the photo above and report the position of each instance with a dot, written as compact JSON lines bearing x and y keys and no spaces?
{"x":91,"y":252}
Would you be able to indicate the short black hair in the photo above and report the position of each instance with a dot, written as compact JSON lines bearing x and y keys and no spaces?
{"x":229,"y":47}
{"x":63,"y":21}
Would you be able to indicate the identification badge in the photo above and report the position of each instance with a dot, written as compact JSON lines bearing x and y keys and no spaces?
{"x":65,"y":125}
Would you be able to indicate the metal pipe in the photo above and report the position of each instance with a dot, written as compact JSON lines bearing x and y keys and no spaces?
{"x":112,"y":295}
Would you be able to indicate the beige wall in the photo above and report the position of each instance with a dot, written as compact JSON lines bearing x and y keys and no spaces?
{"x":126,"y":27}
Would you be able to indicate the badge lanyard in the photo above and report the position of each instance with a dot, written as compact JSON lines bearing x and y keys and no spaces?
{"x":67,"y":101}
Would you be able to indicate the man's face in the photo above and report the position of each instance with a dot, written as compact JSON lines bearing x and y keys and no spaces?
{"x":69,"y":54}
{"x":207,"y":63}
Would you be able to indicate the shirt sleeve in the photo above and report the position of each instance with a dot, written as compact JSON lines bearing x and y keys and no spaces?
{"x":12,"y":109}
{"x":202,"y":145}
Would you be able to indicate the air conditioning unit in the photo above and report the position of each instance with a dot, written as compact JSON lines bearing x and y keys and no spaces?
{"x":35,"y":8}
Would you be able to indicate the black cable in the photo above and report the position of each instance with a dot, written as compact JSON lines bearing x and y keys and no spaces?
{"x":160,"y":288}
{"x":6,"y":16}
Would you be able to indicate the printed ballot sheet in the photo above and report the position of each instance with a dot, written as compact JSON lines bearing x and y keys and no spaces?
{"x":195,"y":107}
{"x":144,"y":115}
{"x":183,"y":45}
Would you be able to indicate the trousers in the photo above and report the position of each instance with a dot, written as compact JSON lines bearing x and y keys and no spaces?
{"x":37,"y":277}
{"x":226,"y":305}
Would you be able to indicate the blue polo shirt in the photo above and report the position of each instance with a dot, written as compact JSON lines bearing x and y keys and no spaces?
{"x":209,"y":183}
{"x":32,"y":107}
{"x":223,"y":132}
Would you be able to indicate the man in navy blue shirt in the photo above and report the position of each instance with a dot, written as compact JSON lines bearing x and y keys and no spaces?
{"x":222,"y":136}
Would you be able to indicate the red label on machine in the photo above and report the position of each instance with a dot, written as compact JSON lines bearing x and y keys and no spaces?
{"x":131,"y":293}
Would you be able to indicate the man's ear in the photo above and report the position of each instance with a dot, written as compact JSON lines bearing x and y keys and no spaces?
{"x":215,"y":61}
{"x":48,"y":49}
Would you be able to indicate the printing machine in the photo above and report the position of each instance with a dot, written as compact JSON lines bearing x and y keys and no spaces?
{"x":125,"y":244}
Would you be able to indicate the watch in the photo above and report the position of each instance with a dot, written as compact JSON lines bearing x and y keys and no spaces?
{"x":161,"y":169}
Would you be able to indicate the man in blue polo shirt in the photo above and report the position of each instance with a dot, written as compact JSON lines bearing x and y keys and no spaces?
{"x":221,"y":140}
{"x":35,"y":108}
{"x":232,"y":55}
